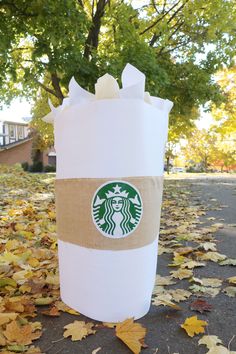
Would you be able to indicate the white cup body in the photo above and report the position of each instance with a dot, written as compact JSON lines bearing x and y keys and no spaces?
{"x":109,"y":138}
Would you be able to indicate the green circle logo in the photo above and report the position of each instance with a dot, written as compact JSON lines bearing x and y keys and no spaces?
{"x":117,"y":209}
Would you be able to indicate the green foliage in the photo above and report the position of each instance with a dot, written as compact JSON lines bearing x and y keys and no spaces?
{"x":36,"y":167}
{"x":25,"y":166}
{"x":209,"y":149}
{"x":178,"y":44}
{"x":225,"y":114}
{"x":50,"y":168}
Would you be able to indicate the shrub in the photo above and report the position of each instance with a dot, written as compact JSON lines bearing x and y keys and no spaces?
{"x":25,"y":166}
{"x":50,"y":168}
{"x":36,"y":167}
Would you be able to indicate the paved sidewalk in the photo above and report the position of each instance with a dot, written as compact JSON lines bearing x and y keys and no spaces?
{"x":163,"y":323}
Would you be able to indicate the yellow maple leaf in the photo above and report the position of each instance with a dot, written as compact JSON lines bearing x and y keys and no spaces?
{"x":61,"y":306}
{"x":132,"y":334}
{"x":11,"y":245}
{"x":78,"y":330}
{"x":21,"y":334}
{"x":33,"y":262}
{"x":7,"y":317}
{"x":165,"y":300}
{"x":193,"y":325}
{"x":2,"y":339}
{"x":232,"y":280}
{"x":182,"y":273}
{"x":109,"y":324}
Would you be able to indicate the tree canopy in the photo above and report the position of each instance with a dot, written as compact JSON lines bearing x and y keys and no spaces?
{"x":225,"y":113}
{"x":206,"y":149}
{"x":178,"y":44}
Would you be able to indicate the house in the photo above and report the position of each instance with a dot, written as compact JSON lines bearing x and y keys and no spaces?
{"x":16,"y":142}
{"x":12,"y":131}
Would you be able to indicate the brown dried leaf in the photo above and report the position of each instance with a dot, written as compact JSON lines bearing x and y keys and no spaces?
{"x":21,"y":334}
{"x":200,"y":306}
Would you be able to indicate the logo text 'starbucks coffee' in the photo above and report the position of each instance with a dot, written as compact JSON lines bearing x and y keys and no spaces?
{"x":117,"y":209}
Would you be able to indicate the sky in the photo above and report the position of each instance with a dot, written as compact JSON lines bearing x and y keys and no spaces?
{"x":17,"y":110}
{"x":21,"y":108}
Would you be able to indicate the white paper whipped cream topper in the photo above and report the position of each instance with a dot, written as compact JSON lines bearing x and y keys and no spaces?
{"x":133,"y":87}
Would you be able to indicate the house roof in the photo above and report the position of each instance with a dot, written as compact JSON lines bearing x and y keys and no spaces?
{"x":16,"y":120}
{"x":15,"y":143}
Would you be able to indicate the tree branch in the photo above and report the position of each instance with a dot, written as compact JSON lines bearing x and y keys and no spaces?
{"x":46,"y":88}
{"x":155,"y":35}
{"x":81,"y":3}
{"x":159,"y":18}
{"x":92,"y":38}
{"x":56,"y":86}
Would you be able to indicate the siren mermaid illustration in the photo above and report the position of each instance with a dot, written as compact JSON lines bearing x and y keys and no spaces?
{"x":117,"y":214}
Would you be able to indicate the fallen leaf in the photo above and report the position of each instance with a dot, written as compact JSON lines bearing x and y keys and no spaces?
{"x":64,"y":308}
{"x":165,"y":300}
{"x":218,"y":225}
{"x":7,"y":281}
{"x":210,"y":341}
{"x":193,"y":325}
{"x":228,"y":261}
{"x":3,"y":341}
{"x":230,"y":291}
{"x":232,"y":280}
{"x":41,"y":301}
{"x":177,"y":260}
{"x":182,"y":273}
{"x":200,"y":306}
{"x":21,"y":334}
{"x":109,"y":324}
{"x":7,"y":317}
{"x":213,"y":282}
{"x":16,"y":348}
{"x":78,"y":330}
{"x":132,"y":334}
{"x":53,"y":311}
{"x":208,"y":246}
{"x":179,"y":294}
{"x":192,"y":264}
{"x":96,"y":350}
{"x":219,"y":349}
{"x":162,"y":281}
{"x":184,"y":250}
{"x":162,"y":249}
{"x":204,"y":291}
{"x":213,"y":256}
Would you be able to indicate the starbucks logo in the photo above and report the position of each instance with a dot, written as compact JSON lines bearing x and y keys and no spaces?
{"x":117,"y":209}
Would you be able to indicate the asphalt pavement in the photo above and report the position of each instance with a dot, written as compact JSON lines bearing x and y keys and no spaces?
{"x":163,"y":323}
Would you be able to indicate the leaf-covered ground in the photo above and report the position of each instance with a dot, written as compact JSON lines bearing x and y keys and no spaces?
{"x":194,"y":300}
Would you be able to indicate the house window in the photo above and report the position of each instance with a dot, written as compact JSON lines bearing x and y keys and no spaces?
{"x":12,"y":131}
{"x":20,"y":130}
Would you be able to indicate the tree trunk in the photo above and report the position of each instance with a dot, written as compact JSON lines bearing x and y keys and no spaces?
{"x":168,"y":164}
{"x":56,"y":86}
{"x":92,"y":39}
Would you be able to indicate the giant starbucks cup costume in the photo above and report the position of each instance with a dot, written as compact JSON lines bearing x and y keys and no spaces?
{"x":110,"y":152}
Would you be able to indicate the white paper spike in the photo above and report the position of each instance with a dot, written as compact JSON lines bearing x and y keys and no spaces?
{"x":49,"y":118}
{"x":106,"y":87}
{"x":77,"y":93}
{"x":131,"y":76}
{"x":133,"y":83}
{"x":53,"y":109}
